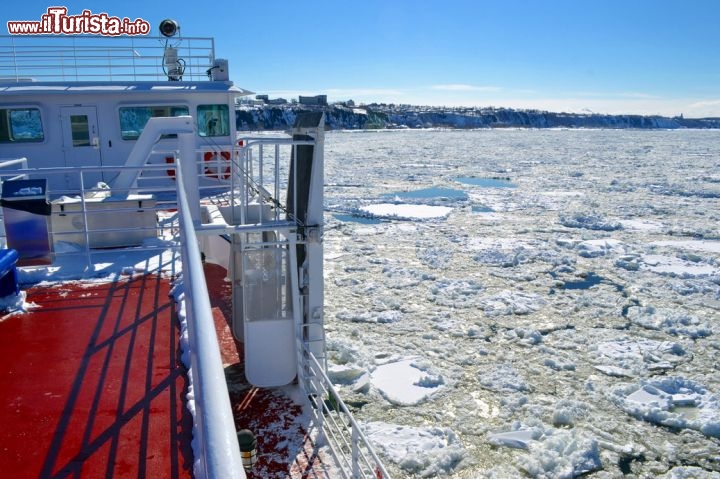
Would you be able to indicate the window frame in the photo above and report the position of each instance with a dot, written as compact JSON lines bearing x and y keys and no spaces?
{"x":7,"y":135}
{"x":152,"y":108}
{"x":201,"y":122}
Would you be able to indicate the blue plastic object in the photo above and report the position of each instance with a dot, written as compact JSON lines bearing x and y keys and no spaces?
{"x":8,"y":273}
{"x":26,"y":213}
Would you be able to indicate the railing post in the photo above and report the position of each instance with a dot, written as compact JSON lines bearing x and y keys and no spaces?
{"x":318,"y":396}
{"x":190,"y":180}
{"x":355,"y":453}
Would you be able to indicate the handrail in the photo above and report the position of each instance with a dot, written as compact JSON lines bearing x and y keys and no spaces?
{"x":215,"y":441}
{"x":97,"y":58}
{"x":351,"y":448}
{"x":219,"y":449}
{"x":7,"y":163}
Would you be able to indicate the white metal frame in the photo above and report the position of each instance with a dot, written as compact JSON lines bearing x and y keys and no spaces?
{"x":101,"y":58}
{"x":220,"y":453}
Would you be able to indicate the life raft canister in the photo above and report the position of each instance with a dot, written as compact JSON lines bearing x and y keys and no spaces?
{"x":213,"y":168}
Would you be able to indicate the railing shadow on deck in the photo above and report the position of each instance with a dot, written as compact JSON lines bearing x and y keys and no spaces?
{"x":133,"y":340}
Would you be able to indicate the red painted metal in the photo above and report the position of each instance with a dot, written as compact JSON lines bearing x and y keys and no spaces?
{"x":92,"y":385}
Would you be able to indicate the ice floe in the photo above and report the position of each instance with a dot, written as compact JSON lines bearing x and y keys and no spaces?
{"x":591,"y":221}
{"x":556,"y":453}
{"x":406,"y":382}
{"x":543,"y":308}
{"x":405,"y":211}
{"x":631,"y":357}
{"x":425,"y":451}
{"x":674,"y":266}
{"x":675,"y":322}
{"x":674,"y":402}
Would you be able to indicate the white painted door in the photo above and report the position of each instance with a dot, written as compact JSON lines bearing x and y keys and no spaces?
{"x":81,"y":143}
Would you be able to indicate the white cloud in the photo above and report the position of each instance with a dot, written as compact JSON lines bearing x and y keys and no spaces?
{"x":464,"y":88}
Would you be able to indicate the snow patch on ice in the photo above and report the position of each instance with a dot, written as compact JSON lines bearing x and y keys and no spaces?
{"x":405,"y":211}
{"x":406,"y":382}
{"x":555,"y":453}
{"x":674,"y":402}
{"x":642,"y":225}
{"x":677,"y":267}
{"x":425,"y":451}
{"x":706,"y":246}
{"x":678,"y":323}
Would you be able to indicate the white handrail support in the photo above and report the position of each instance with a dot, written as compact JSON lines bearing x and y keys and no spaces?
{"x":153,"y":130}
{"x":219,"y":448}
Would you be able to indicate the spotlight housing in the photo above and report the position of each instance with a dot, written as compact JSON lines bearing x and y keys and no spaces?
{"x":169,"y":28}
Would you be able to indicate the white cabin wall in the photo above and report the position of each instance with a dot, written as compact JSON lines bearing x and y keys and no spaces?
{"x":114,"y":150}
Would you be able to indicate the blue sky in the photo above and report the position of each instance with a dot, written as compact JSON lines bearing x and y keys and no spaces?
{"x":607,"y":56}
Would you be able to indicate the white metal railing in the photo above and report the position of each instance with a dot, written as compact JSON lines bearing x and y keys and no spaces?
{"x":265,"y":164}
{"x":214,"y":423}
{"x":260,"y":172}
{"x":96,"y":58}
{"x":15,"y":164}
{"x":74,"y":221}
{"x":345,"y":438}
{"x":215,"y":429}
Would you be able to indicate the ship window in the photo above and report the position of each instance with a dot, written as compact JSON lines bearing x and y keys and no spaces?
{"x":134,"y":118}
{"x":80,"y":130}
{"x":213,"y":120}
{"x":20,"y":124}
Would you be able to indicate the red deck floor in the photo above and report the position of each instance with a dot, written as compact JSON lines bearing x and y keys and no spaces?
{"x":91,"y":385}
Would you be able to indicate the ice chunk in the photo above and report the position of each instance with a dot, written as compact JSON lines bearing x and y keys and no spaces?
{"x":656,"y":400}
{"x":405,"y":211}
{"x":503,"y":378}
{"x":425,"y":451}
{"x":562,"y":454}
{"x":404,"y":383}
{"x":591,"y":221}
{"x":515,"y":439}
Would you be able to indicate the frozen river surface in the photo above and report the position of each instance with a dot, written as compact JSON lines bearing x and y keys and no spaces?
{"x":528,"y":303}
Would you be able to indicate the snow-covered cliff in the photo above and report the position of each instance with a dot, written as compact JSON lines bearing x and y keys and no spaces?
{"x":280,"y":117}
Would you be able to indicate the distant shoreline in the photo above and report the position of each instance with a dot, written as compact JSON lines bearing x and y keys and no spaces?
{"x":390,"y":116}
